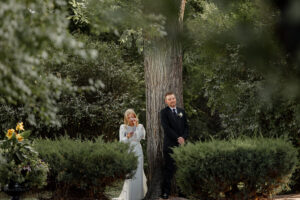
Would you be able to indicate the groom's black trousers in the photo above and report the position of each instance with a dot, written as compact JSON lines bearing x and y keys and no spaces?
{"x":168,"y":170}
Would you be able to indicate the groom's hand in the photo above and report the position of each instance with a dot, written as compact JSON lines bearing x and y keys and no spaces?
{"x":181,"y":140}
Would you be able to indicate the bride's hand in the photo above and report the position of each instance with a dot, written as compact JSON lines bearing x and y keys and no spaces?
{"x":136,"y":122}
{"x":129,"y":135}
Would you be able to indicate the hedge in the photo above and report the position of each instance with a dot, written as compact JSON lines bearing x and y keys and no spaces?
{"x":84,"y":168}
{"x":237,"y":169}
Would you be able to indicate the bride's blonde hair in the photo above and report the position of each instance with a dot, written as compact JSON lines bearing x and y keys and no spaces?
{"x":128,"y":112}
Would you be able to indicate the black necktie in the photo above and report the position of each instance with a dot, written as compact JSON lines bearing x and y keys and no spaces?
{"x":174,"y":112}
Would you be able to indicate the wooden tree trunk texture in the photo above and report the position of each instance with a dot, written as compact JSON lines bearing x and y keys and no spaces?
{"x":163,"y":73}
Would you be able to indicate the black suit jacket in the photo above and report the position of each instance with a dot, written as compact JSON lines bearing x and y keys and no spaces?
{"x":174,"y":126}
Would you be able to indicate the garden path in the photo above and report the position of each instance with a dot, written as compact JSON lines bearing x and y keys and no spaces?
{"x":174,"y":198}
{"x":281,"y":197}
{"x":288,"y":197}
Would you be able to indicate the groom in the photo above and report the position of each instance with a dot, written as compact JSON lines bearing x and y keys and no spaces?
{"x":174,"y":123}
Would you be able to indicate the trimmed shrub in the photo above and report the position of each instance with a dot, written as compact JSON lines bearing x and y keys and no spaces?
{"x":83,"y":169}
{"x":236,"y":169}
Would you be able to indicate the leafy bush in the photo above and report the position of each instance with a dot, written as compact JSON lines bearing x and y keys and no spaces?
{"x":236,"y":169}
{"x":19,"y":163}
{"x":39,"y":26}
{"x":99,"y":112}
{"x":93,"y":112}
{"x":84,"y":168}
{"x":226,"y":94}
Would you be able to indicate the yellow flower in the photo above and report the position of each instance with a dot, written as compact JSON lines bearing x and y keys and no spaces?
{"x":19,"y":137}
{"x":20,"y":127}
{"x":10,"y":133}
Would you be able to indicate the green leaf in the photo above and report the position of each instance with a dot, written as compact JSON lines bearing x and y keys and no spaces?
{"x":26,"y":134}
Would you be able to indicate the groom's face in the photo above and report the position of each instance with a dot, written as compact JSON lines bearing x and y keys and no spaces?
{"x":171,"y":100}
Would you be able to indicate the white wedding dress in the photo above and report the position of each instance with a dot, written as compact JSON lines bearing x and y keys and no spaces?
{"x":135,"y":188}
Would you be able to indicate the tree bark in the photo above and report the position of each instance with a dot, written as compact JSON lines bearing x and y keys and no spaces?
{"x":163,"y":73}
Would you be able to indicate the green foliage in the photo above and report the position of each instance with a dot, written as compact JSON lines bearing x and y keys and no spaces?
{"x":86,"y":167}
{"x":100,"y":111}
{"x":19,"y":162}
{"x":134,"y":15}
{"x":28,"y":30}
{"x":97,"y":107}
{"x":237,"y":92}
{"x":235,"y":169}
{"x":236,"y":77}
{"x":79,"y":15}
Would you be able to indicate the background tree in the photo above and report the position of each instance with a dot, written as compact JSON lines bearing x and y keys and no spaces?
{"x":163,"y":73}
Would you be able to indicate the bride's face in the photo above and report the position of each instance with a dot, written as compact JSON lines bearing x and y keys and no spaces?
{"x":130,"y":118}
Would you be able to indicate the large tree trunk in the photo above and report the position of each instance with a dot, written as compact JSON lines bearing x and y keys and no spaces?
{"x":163,"y":73}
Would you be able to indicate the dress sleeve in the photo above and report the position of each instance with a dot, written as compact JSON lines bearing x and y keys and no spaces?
{"x":139,"y":133}
{"x":122,"y":134}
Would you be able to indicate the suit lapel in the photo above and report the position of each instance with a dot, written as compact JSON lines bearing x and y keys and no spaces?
{"x":170,"y":114}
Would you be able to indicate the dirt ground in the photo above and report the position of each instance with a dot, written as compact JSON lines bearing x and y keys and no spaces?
{"x":282,"y":197}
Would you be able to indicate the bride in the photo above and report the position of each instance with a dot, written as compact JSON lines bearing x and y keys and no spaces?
{"x":132,"y":132}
